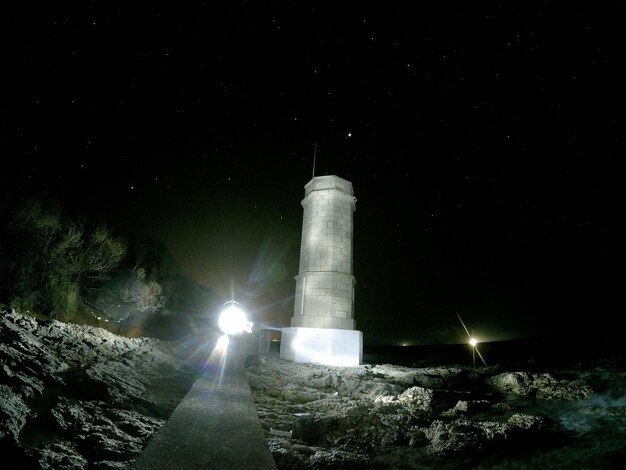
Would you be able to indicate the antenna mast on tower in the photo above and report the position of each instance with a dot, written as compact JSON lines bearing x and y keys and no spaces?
{"x":314,"y":155}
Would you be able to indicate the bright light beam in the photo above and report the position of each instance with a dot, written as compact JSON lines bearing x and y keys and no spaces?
{"x":233,"y":320}
{"x":481,"y":356}
{"x":473,"y":343}
{"x":464,"y":327}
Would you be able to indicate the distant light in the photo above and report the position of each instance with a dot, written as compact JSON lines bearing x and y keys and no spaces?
{"x":473,"y":342}
{"x":233,"y":320}
{"x":349,"y":134}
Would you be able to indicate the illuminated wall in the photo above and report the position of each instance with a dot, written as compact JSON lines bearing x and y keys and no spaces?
{"x":325,"y":284}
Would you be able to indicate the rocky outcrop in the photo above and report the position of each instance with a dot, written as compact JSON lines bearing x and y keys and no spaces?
{"x":80,"y":397}
{"x":543,"y":386}
{"x":388,"y":416}
{"x":462,"y":436}
{"x":75,"y":396}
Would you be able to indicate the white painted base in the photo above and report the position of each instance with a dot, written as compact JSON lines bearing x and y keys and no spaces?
{"x":328,"y":346}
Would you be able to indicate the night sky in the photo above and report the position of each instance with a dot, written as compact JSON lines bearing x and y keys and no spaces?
{"x":482,"y":143}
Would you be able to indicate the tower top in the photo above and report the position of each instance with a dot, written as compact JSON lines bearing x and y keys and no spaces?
{"x":319,"y":183}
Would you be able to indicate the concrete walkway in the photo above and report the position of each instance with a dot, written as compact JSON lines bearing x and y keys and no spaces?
{"x":215,"y":427}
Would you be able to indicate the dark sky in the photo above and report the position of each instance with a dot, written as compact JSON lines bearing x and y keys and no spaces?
{"x":482,"y":143}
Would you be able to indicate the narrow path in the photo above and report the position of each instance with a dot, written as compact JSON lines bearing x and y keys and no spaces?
{"x":215,"y":427}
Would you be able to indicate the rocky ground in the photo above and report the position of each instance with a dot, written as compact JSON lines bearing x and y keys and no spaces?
{"x":80,"y":397}
{"x":387,"y":416}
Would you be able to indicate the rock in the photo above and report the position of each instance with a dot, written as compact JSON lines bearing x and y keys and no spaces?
{"x":80,"y":397}
{"x":464,"y":407}
{"x":542,"y":386}
{"x":286,"y":455}
{"x":381,"y":413}
{"x":323,"y":459}
{"x":417,"y":400}
{"x":13,"y":412}
{"x":463,"y":436}
{"x":75,"y":396}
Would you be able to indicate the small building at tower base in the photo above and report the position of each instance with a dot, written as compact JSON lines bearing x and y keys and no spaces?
{"x":328,"y":346}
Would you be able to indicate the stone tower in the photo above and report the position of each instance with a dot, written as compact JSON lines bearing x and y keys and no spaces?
{"x":323,"y":327}
{"x":325,"y":284}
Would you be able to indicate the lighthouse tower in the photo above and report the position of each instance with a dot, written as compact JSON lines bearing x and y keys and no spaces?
{"x":323,"y":327}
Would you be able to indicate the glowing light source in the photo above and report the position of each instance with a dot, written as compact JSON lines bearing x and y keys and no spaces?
{"x":233,"y":319}
{"x":473,"y":342}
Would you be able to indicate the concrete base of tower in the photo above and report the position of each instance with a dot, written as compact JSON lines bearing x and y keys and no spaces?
{"x":328,"y":346}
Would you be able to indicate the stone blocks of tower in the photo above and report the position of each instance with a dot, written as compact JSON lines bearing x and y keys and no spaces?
{"x":327,"y":226}
{"x":325,"y":284}
{"x":324,"y":300}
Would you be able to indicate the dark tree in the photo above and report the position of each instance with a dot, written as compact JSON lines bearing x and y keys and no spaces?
{"x":50,"y":263}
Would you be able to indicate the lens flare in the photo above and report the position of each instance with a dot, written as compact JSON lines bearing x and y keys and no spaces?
{"x":472,"y":342}
{"x":233,"y":320}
